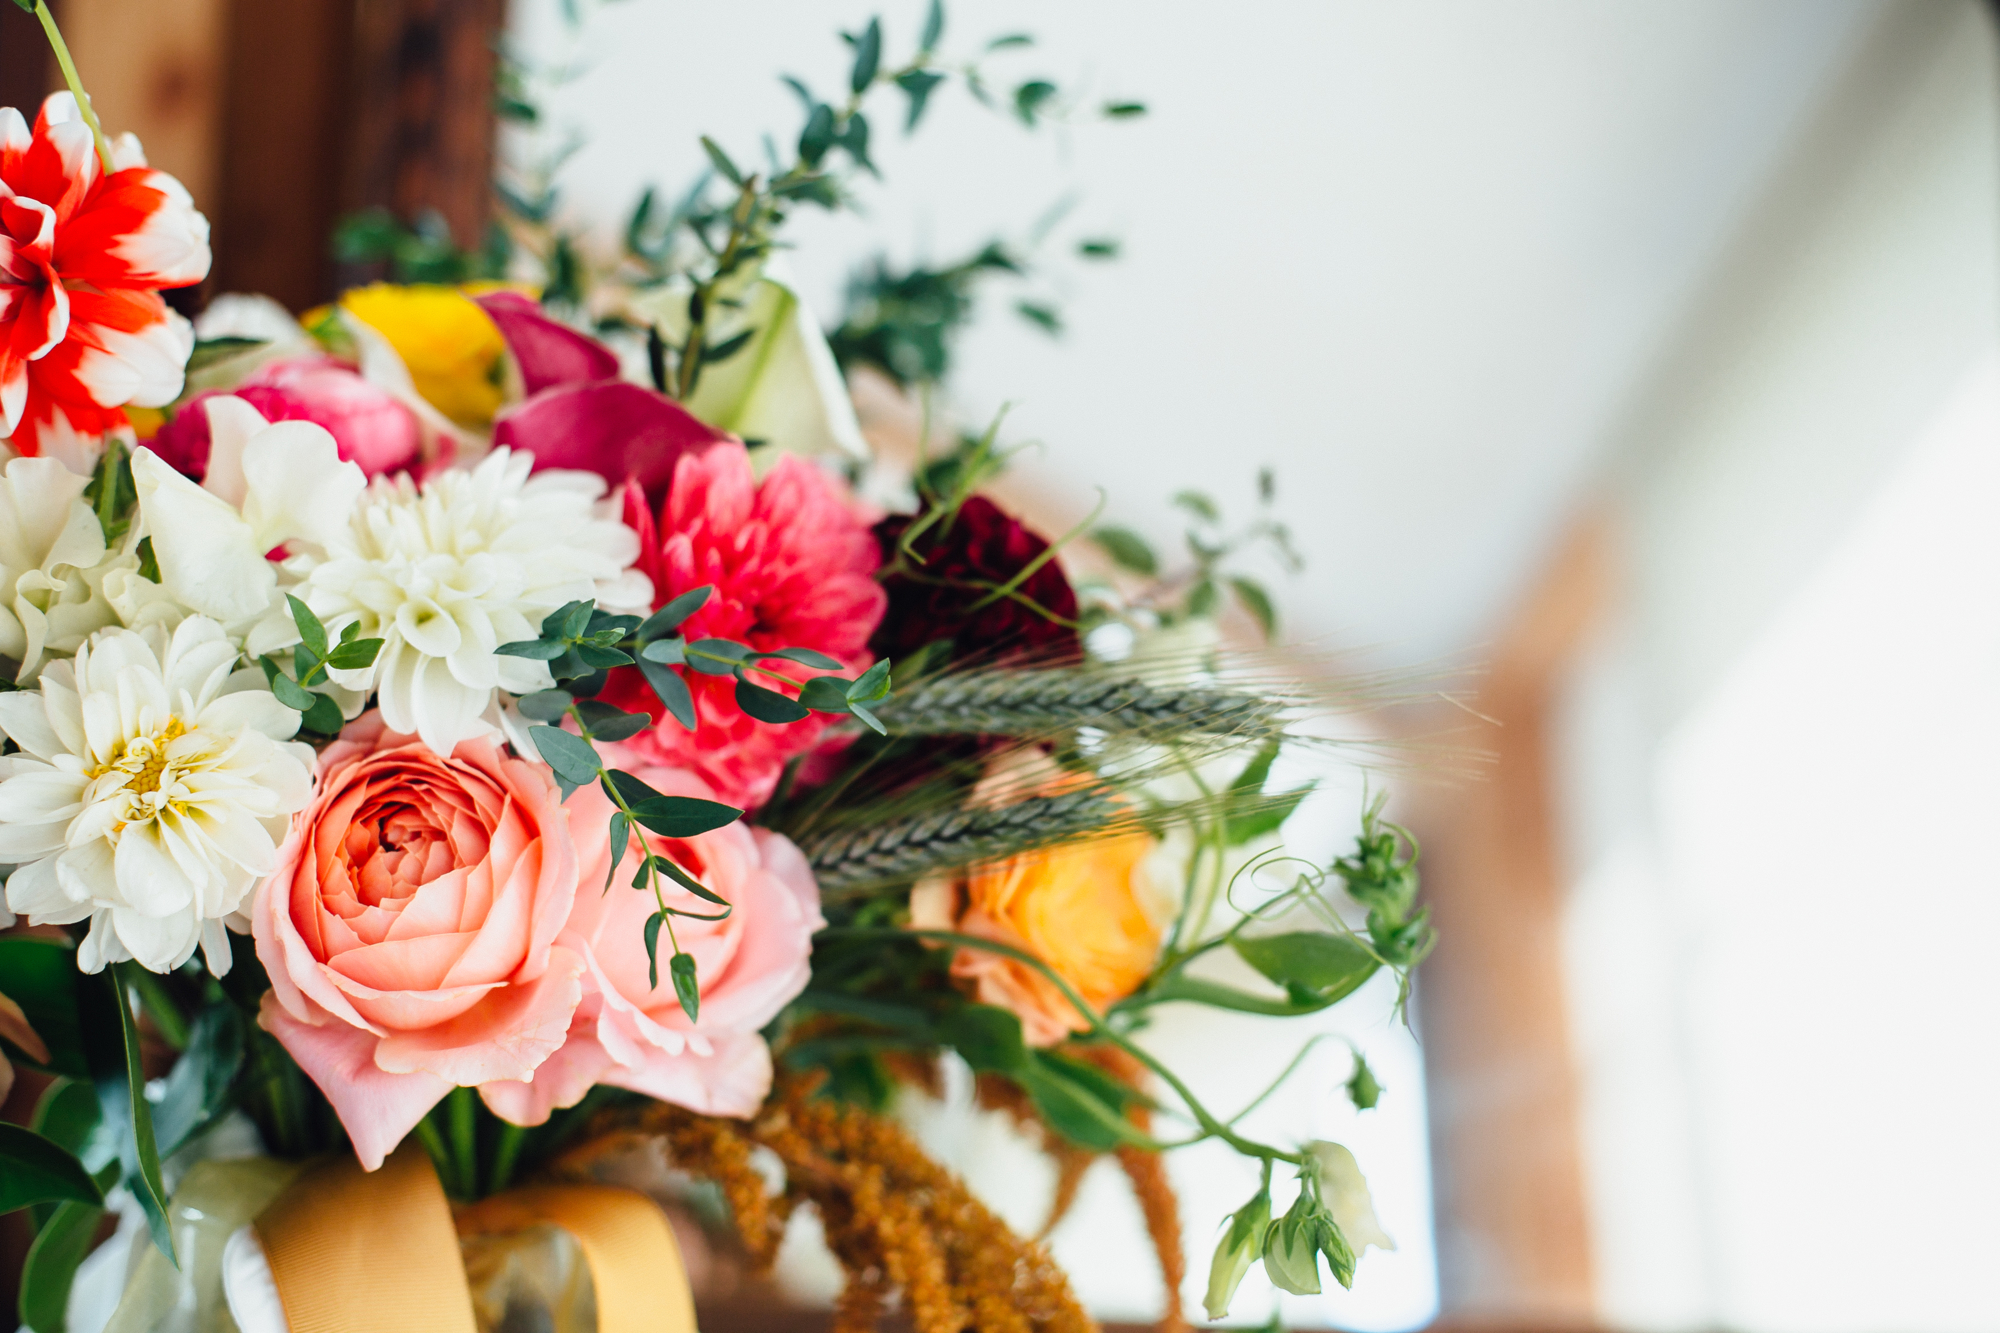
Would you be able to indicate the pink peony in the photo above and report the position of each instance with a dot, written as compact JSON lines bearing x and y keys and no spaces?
{"x":410,"y":928}
{"x":792,"y":565}
{"x":369,"y":427}
{"x":632,"y":1034}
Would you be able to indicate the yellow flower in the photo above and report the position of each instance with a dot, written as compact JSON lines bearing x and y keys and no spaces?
{"x":455,"y":355}
{"x":1087,"y":909}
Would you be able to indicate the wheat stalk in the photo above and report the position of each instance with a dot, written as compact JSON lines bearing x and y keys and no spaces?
{"x":1031,"y":703}
{"x":900,"y":851}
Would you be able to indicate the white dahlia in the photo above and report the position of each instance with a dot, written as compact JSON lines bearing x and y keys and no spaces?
{"x":153,"y":785}
{"x":446,"y":572}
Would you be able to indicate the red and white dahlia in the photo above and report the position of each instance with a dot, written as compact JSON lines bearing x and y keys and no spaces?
{"x":83,"y":256}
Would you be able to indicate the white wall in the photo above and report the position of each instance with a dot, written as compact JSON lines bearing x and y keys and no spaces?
{"x":1780,"y":785}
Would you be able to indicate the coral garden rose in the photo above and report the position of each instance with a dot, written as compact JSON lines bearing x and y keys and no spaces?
{"x":1089,"y":909}
{"x":792,"y":565}
{"x":410,"y":928}
{"x":949,"y":594}
{"x":633,"y":1034}
{"x":369,"y":427}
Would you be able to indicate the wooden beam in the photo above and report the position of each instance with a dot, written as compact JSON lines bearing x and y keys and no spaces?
{"x":156,"y":70}
{"x":1513,"y":1226}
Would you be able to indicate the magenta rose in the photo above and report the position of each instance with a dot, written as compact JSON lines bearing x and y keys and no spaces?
{"x":410,"y":929}
{"x":370,"y":428}
{"x":633,"y":1034}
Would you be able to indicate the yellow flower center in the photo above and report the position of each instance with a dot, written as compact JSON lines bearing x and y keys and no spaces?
{"x":144,"y":758}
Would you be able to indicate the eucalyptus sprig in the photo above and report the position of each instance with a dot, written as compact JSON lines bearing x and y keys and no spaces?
{"x":312,"y":656}
{"x":581,"y":646}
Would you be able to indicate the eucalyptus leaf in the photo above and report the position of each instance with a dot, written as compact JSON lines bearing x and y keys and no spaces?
{"x":933,"y":27}
{"x":310,"y":630}
{"x":570,"y":756}
{"x":716,"y":657}
{"x":653,"y":924}
{"x":825,"y":694}
{"x":620,"y":833}
{"x":1257,"y":602}
{"x":1127,"y":549}
{"x":721,"y":160}
{"x":539,"y":650}
{"x":806,"y":657}
{"x":545,"y":705}
{"x":687,"y":985}
{"x":671,"y":691}
{"x":767,"y":705}
{"x":669,"y":617}
{"x":917,"y":85}
{"x":873,"y":686}
{"x":290,"y":693}
{"x":867,"y":56}
{"x":324,"y":716}
{"x":689,"y":882}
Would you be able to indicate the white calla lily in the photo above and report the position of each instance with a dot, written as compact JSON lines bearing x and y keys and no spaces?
{"x":783,"y":387}
{"x":51,"y":553}
{"x":268,"y":485}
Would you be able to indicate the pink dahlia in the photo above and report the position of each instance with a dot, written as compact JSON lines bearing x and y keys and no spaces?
{"x":83,"y":254}
{"x":792,"y":565}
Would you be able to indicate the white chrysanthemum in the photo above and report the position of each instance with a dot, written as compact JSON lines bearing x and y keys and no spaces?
{"x":447,"y":572}
{"x":51,"y":557}
{"x":153,"y":786}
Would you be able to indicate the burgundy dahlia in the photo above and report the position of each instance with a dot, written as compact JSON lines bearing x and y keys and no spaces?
{"x":949,"y":594}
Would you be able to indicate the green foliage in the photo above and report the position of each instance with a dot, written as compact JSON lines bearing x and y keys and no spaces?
{"x":1382,"y":876}
{"x":1241,"y":1245}
{"x":1197,"y":591}
{"x":1362,"y":1089}
{"x":35,"y":1170}
{"x":904,"y":323}
{"x":422,"y":251}
{"x":1127,"y":549}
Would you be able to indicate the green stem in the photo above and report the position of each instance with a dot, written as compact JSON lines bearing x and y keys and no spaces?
{"x":506,"y":1152}
{"x":460,"y":1108}
{"x":61,"y":48}
{"x":160,"y":1007}
{"x":433,"y":1143}
{"x":1098,"y":1030}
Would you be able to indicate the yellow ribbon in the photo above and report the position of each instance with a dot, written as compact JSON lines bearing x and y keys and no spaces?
{"x":353,"y":1251}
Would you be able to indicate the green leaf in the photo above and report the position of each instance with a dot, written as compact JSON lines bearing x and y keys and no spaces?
{"x":689,"y":882}
{"x":149,"y":564}
{"x":1240,"y":1246}
{"x":806,"y":657}
{"x":1098,"y":247}
{"x":310,"y":630}
{"x":1042,"y":315}
{"x":568,"y":620}
{"x":671,"y":691}
{"x":40,"y":975}
{"x":290,"y":693}
{"x":1124,"y":110}
{"x":51,"y":1265}
{"x":917,"y":84}
{"x":825,"y":694}
{"x":867,"y":60}
{"x":570,"y":755}
{"x":35,"y":1170}
{"x":854,"y":139}
{"x":721,"y":161}
{"x":873,"y":686}
{"x":207,"y":351}
{"x":1324,"y":966}
{"x":602,"y":659}
{"x":670,"y":616}
{"x":817,"y":136}
{"x":1009,"y":40}
{"x":198,"y":1087}
{"x":874,"y":723}
{"x":1257,"y":602}
{"x":620,"y":835}
{"x":540,"y":650}
{"x":1127,"y":549}
{"x":1263,"y":817}
{"x":768,"y":705}
{"x":653,"y":924}
{"x":727,"y":348}
{"x":145,"y":1181}
{"x":684,"y":816}
{"x":66,"y":1114}
{"x":545,"y":705}
{"x":1030,"y":97}
{"x":1202,"y":599}
{"x":716,"y":657}
{"x":324,"y":716}
{"x":687,"y":986}
{"x":933,"y":27}
{"x":620,"y":728}
{"x":358,"y":654}
{"x":1073,"y":1108}
{"x":1200,"y":505}
{"x":988,"y":1038}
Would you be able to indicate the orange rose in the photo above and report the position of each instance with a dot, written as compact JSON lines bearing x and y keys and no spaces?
{"x":1087,"y":909}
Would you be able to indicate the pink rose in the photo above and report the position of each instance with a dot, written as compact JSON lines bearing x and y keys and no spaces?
{"x":632,"y":1034}
{"x":410,"y":929}
{"x":371,"y":429}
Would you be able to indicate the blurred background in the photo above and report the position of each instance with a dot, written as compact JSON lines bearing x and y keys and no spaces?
{"x":1631,"y":371}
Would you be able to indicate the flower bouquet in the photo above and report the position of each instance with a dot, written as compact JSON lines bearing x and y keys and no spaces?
{"x":477,"y":730}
